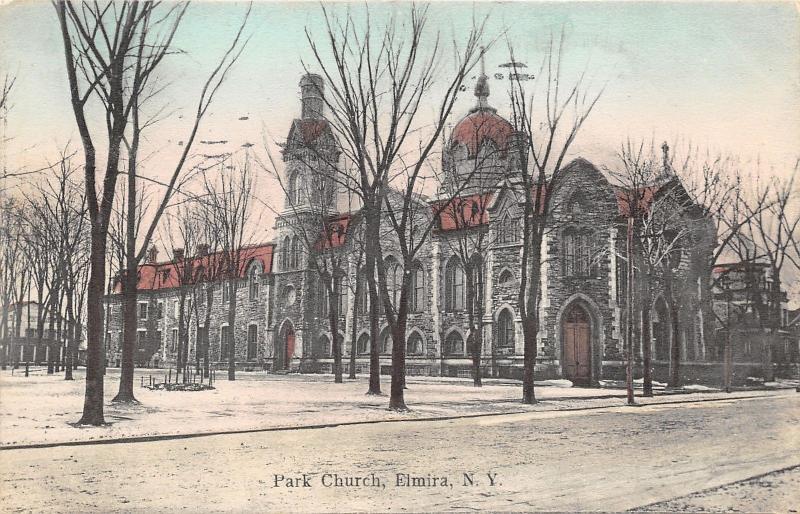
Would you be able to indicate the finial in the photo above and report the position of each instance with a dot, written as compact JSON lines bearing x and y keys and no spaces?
{"x":482,"y":86}
{"x":665,"y":151}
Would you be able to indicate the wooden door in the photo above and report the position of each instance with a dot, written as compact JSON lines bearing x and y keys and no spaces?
{"x":577,"y":346}
{"x":287,"y":358}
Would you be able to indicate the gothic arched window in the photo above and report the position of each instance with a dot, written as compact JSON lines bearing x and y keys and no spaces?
{"x":363,"y":293}
{"x":324,"y":346}
{"x":362,"y":346}
{"x":414,"y":345}
{"x":455,"y":294}
{"x":417,"y":299}
{"x":506,"y":277}
{"x":577,"y":252}
{"x":454,"y":344}
{"x":296,"y":254}
{"x":505,"y":329}
{"x":294,"y":189}
{"x":253,"y":279}
{"x":386,"y":341}
{"x":507,"y":230}
{"x":286,"y":253}
{"x":394,"y":280}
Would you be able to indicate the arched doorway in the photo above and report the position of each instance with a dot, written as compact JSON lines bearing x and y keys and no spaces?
{"x":287,"y":337}
{"x":661,"y":330}
{"x":577,"y":349}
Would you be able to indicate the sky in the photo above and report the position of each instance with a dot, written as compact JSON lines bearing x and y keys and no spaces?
{"x":723,"y":76}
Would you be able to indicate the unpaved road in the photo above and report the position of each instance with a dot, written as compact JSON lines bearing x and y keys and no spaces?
{"x":614,"y":458}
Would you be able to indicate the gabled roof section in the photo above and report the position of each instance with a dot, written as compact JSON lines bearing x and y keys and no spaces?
{"x":336,"y":232}
{"x":463,"y":212}
{"x":167,"y":275}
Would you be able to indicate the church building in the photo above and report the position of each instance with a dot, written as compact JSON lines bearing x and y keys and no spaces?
{"x":282,"y":323}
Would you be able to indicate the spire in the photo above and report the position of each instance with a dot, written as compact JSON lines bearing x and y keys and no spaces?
{"x":482,"y":86}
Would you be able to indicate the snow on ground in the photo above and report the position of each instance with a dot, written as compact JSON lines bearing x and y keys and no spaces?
{"x":40,"y":408}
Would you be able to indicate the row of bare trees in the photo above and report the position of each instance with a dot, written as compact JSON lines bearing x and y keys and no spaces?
{"x":45,"y":252}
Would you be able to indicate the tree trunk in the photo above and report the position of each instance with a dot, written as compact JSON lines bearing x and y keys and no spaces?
{"x":93,"y":398}
{"x":674,"y":343}
{"x":70,"y":337}
{"x":333,"y":310}
{"x":530,"y":321}
{"x":232,"y":324}
{"x":397,"y":400}
{"x":354,"y":331}
{"x":647,"y":351}
{"x":629,"y":314}
{"x":129,"y":333}
{"x":51,"y":328}
{"x":475,"y":319}
{"x":373,"y":234}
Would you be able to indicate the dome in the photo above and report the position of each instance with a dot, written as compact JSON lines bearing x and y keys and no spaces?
{"x":482,"y":124}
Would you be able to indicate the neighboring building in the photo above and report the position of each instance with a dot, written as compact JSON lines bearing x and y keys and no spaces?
{"x":763,"y":332}
{"x":30,"y":339}
{"x":282,"y":322}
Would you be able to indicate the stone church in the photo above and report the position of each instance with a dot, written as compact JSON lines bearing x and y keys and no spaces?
{"x":282,"y":321}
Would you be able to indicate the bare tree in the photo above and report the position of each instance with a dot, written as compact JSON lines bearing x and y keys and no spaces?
{"x":378,"y":77}
{"x":111,"y":52}
{"x":229,"y":200}
{"x":548,"y":136}
{"x":14,"y":274}
{"x":769,"y":235}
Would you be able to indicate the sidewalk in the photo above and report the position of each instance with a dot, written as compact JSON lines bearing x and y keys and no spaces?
{"x":39,"y":409}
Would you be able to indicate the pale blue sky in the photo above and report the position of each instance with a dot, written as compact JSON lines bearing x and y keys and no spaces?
{"x":723,"y":75}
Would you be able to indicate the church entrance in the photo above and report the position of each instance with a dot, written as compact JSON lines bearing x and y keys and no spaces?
{"x":576,"y":356}
{"x":288,"y":346}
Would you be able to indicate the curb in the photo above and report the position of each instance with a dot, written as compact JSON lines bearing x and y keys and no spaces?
{"x":711,"y":489}
{"x":169,"y":437}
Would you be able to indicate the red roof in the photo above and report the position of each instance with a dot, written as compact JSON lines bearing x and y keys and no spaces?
{"x":336,"y":233}
{"x":644,"y":196}
{"x":463,"y":212}
{"x":166,"y":275}
{"x":479,"y":126}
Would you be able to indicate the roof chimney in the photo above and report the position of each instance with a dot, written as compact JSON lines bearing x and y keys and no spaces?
{"x":312,"y":90}
{"x":152,"y":255}
{"x":202,"y":250}
{"x":177,"y":254}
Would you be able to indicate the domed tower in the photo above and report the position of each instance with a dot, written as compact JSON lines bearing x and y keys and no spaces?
{"x":311,"y":156}
{"x":480,"y":151}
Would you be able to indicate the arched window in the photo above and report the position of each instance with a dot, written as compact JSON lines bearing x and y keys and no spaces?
{"x":322,"y":297}
{"x":386,"y":341}
{"x":454,"y":344}
{"x":477,"y":275}
{"x":324,"y":346}
{"x":577,"y":252}
{"x":341,"y":304}
{"x":506,"y":277}
{"x":363,"y":344}
{"x":252,"y":341}
{"x":417,"y":300}
{"x":296,"y":256}
{"x":295,"y":188}
{"x":286,"y":252}
{"x":575,"y":205}
{"x":455,"y":294}
{"x":414,"y":345}
{"x":363,"y":293}
{"x":394,"y":280}
{"x":507,"y":230}
{"x":253,"y":278}
{"x":505,"y":329}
